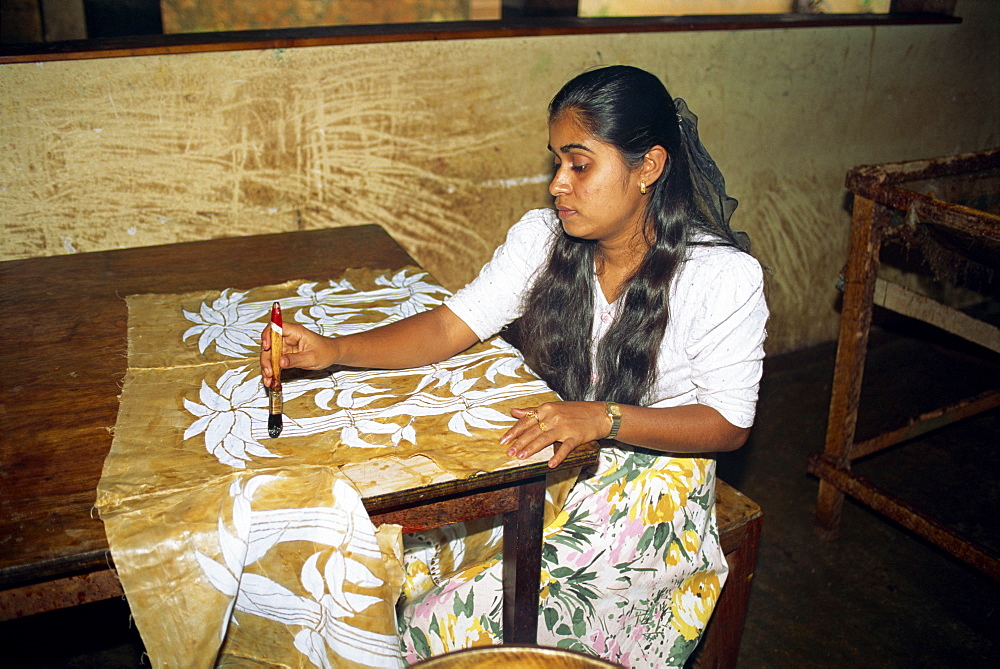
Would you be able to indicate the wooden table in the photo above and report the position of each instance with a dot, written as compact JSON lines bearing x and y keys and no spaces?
{"x":66,"y":319}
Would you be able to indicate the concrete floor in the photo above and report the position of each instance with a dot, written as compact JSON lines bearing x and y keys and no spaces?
{"x":875,"y":597}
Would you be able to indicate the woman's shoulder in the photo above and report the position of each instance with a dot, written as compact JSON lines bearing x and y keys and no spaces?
{"x":538,"y":223}
{"x":527,"y":244}
{"x":718,"y":275}
{"x":704,"y":257}
{"x":533,"y":233}
{"x":720,"y":284}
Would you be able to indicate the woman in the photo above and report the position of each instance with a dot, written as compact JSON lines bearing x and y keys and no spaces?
{"x":636,"y":302}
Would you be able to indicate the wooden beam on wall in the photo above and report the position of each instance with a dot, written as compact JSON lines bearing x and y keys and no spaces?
{"x":924,"y":6}
{"x":522,"y":8}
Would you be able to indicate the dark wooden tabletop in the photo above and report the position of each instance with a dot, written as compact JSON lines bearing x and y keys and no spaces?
{"x":64,"y":359}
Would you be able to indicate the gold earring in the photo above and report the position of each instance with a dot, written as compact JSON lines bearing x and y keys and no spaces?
{"x":642,"y":187}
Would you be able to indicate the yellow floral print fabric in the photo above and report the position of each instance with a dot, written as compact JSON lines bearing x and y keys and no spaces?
{"x":631,"y":569}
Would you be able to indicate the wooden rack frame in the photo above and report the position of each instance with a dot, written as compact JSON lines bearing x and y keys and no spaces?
{"x":879,"y":195}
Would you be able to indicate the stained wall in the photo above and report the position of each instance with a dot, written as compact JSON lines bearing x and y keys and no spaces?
{"x":443,"y":142}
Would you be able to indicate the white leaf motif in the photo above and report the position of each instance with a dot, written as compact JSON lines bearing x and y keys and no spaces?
{"x":311,"y":579}
{"x":220,"y":578}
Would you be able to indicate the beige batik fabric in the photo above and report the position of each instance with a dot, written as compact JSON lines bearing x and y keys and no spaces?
{"x":236,"y":548}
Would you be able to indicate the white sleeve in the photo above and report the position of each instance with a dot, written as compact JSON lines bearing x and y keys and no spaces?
{"x":496,"y":296}
{"x":727,"y":314}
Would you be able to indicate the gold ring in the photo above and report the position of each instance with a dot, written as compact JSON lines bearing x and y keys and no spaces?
{"x":541,"y":426}
{"x":532,"y":414}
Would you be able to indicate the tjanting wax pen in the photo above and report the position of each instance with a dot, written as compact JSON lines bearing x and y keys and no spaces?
{"x":274,"y":392}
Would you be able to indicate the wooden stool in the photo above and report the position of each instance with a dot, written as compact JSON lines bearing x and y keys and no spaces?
{"x":517,"y":657}
{"x":740,"y":522}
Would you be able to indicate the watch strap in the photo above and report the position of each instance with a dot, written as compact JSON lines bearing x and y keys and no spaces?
{"x":615,"y":414}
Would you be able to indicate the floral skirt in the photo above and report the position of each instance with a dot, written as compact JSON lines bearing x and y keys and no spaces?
{"x":631,"y":568}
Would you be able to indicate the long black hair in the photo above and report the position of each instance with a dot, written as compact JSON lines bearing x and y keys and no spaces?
{"x":631,"y":110}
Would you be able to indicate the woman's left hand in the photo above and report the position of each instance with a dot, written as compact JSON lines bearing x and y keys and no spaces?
{"x":565,"y":424}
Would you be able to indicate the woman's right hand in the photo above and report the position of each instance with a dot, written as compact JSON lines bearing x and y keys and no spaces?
{"x":301,"y":348}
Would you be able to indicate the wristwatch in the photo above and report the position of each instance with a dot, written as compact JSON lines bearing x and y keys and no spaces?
{"x":615,"y":414}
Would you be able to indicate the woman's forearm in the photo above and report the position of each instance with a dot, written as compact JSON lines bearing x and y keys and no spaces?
{"x":422,"y":339}
{"x":685,"y":429}
{"x":693,"y":428}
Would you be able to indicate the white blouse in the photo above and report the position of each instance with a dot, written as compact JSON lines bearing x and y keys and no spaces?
{"x":713,"y":347}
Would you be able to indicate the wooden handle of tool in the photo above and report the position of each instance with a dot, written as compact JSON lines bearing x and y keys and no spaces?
{"x":276,"y":344}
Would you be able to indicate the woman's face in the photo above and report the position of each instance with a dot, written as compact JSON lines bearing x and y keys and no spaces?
{"x":596,"y":194}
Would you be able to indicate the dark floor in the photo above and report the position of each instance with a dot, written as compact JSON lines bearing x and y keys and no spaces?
{"x":875,"y":597}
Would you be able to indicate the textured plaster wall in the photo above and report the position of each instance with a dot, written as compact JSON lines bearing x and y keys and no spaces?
{"x":443,"y":143}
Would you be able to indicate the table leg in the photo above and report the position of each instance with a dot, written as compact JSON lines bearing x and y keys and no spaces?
{"x":522,"y":564}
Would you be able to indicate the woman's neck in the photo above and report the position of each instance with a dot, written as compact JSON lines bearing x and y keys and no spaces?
{"x":615,"y":264}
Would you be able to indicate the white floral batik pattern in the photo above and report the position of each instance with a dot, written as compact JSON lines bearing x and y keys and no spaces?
{"x":359,"y":409}
{"x":233,"y":415}
{"x":324,"y":616}
{"x":233,"y":326}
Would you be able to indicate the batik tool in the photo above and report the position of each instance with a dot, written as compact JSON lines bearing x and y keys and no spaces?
{"x":274,"y":392}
